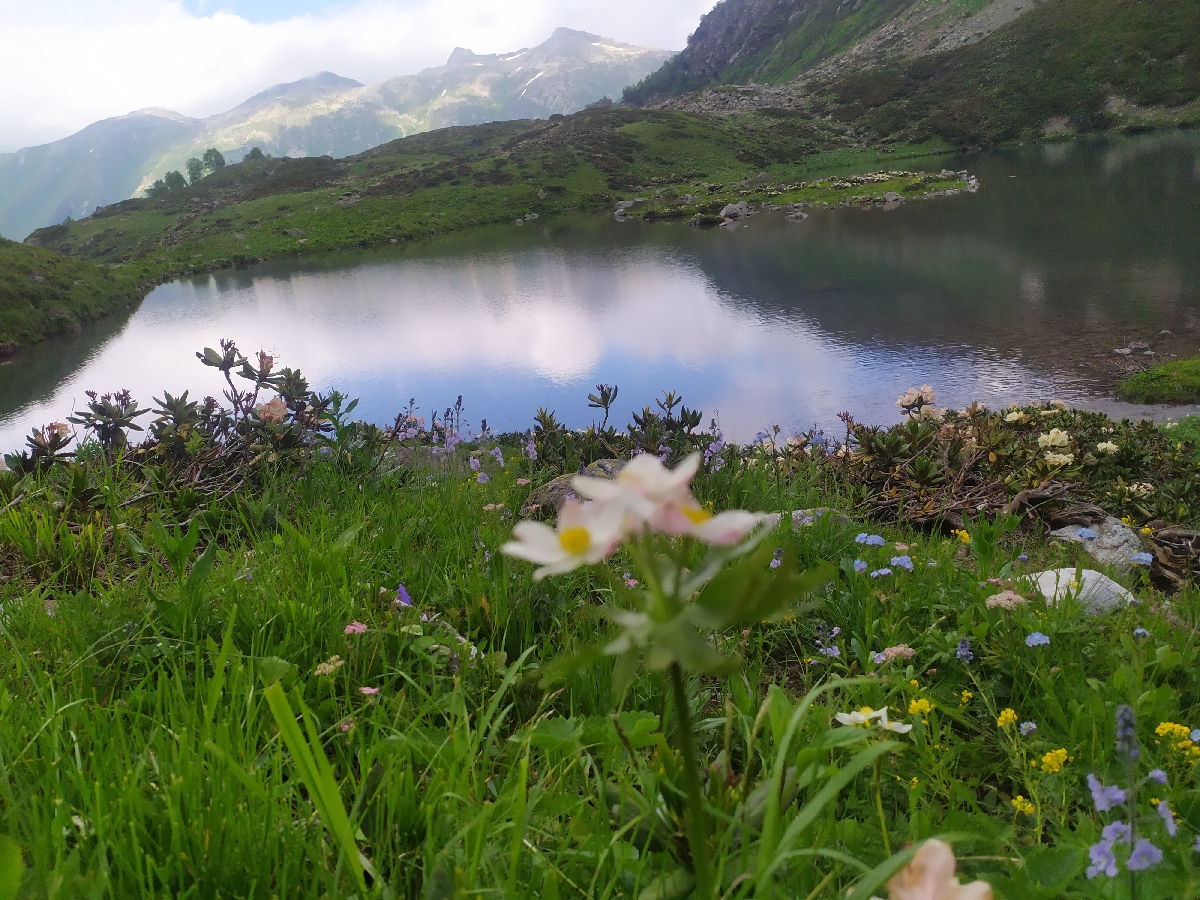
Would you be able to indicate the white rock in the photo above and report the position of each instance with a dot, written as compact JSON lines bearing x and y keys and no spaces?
{"x":1114,"y":543}
{"x":1097,"y":592}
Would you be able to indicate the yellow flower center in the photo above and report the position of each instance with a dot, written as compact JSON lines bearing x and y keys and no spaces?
{"x":575,"y":540}
{"x":696,"y":515}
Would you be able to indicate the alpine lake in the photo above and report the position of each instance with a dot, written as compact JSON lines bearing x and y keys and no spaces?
{"x":1021,"y":291}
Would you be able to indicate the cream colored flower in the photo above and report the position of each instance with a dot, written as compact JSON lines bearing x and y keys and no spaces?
{"x":585,"y":534}
{"x":1056,"y":438}
{"x":1016,"y":417}
{"x":1141,"y":489}
{"x":1008,"y":600}
{"x":923,"y":396}
{"x":930,"y":876}
{"x":273,"y":411}
{"x":1107,"y":447}
{"x":1059,"y":459}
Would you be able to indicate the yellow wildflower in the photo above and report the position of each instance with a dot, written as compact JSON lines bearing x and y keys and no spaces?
{"x":913,"y":682}
{"x":1021,"y":805}
{"x":1053,"y":761}
{"x":1146,"y":529}
{"x":1008,"y":717}
{"x":966,"y":697}
{"x":962,"y":534}
{"x":919,"y":707}
{"x":916,"y":781}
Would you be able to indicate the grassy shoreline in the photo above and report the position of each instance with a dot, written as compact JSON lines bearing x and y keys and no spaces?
{"x":1177,"y":381}
{"x":138,"y":757}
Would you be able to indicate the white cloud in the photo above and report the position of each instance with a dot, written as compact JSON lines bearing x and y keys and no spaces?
{"x":67,"y":63}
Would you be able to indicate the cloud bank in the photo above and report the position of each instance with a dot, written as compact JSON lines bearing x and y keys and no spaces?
{"x":67,"y":63}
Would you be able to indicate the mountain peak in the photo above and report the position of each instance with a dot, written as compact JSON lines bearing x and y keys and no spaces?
{"x":461,"y":56}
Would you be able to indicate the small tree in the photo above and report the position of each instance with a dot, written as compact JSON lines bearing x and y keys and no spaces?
{"x":195,"y":170}
{"x":213,"y":160}
{"x":174,"y":181}
{"x":255,"y":153}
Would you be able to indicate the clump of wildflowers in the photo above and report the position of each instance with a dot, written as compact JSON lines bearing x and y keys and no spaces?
{"x":1007,"y":717}
{"x":870,"y":540}
{"x":1006,"y":600}
{"x":355,"y":627}
{"x":1037,"y":639}
{"x":902,"y":562}
{"x":328,"y":668}
{"x":1053,"y":762}
{"x":1021,"y":805}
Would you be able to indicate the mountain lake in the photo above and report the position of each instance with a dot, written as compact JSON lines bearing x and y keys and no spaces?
{"x":1021,"y":291}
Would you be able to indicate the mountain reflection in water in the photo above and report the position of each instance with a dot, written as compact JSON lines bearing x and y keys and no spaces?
{"x":1005,"y":295}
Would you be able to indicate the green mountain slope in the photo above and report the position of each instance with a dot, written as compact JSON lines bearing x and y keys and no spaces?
{"x":1066,"y":66}
{"x":323,"y":115}
{"x":968,"y":72}
{"x":433,"y":183}
{"x":44,"y":293}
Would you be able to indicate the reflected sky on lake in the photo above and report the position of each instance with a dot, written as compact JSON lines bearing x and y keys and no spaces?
{"x":1000,"y":296}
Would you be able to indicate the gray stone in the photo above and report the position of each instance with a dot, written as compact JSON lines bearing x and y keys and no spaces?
{"x":891,"y":197}
{"x":803,"y":518}
{"x":550,"y":497}
{"x":736,"y":211}
{"x":1097,"y":592}
{"x":1114,"y":543}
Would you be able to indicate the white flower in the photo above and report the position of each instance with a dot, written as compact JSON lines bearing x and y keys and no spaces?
{"x":1054,"y":439}
{"x":1141,"y":489}
{"x":1016,"y":417}
{"x":586,"y":533}
{"x":272,"y":412}
{"x":866,"y":715}
{"x":1059,"y":459}
{"x":646,"y":494}
{"x":930,"y":876}
{"x":1107,"y":447}
{"x":916,"y":397}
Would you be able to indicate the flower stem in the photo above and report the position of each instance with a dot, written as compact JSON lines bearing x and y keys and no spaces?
{"x":697,"y":820}
{"x":887,"y":844}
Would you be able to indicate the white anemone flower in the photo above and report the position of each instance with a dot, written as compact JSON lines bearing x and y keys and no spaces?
{"x":586,"y":533}
{"x":864,"y":716}
{"x":650,"y":495}
{"x":643,"y":487}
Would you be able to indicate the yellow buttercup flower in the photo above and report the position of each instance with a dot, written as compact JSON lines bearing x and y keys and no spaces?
{"x":966,"y":697}
{"x":962,"y":534}
{"x":1007,"y":717}
{"x":919,"y":707}
{"x":1021,"y":805}
{"x":1053,"y":761}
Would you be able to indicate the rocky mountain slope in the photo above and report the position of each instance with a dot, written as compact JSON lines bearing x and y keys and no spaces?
{"x":324,"y":115}
{"x":967,"y":72}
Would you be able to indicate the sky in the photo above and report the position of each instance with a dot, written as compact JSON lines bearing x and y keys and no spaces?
{"x":67,"y":63}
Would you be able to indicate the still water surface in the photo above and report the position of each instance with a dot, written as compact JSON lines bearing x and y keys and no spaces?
{"x":1018,"y":292}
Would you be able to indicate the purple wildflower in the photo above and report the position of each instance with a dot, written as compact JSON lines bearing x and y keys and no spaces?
{"x":402,"y":597}
{"x":860,"y":566}
{"x":870,"y":540}
{"x":1141,"y":559}
{"x":474,"y":464}
{"x":964,"y":651}
{"x":879,"y":573}
{"x":1127,"y":732}
{"x":880,"y":658}
{"x":1117,"y":832}
{"x":498,"y":456}
{"x":482,"y":478}
{"x":833,"y":652}
{"x":1024,"y":557}
{"x":1037,"y":639}
{"x":1158,"y":775}
{"x":903,"y":562}
{"x":1104,"y":861}
{"x":1168,"y":818}
{"x":355,"y":628}
{"x":531,"y":451}
{"x":777,"y":559}
{"x":1144,"y":855}
{"x":1104,"y":796}
{"x":1028,"y":728}
{"x":1195,"y":735}
{"x":1141,"y":633}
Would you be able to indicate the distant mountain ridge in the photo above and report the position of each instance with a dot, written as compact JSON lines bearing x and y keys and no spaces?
{"x":327,"y":114}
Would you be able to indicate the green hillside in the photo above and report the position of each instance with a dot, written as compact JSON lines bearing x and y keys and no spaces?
{"x":1066,"y":66}
{"x":456,"y":178}
{"x":44,"y":293}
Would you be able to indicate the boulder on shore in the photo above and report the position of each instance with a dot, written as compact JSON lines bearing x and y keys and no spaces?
{"x":549,"y":498}
{"x":1097,"y":592}
{"x":1113,"y":543}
